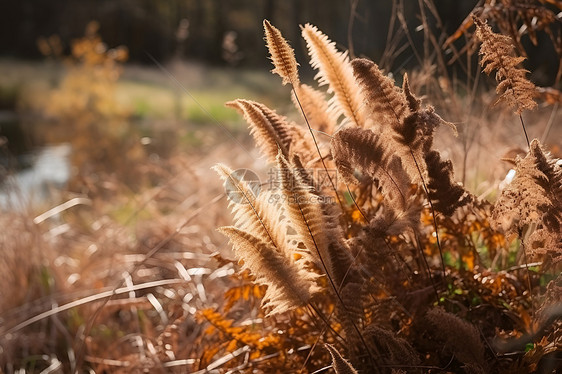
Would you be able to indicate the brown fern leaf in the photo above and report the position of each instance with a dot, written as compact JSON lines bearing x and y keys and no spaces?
{"x":516,"y":18}
{"x":445,"y":194}
{"x":552,"y":169}
{"x":362,"y":149}
{"x":289,"y":284}
{"x":416,"y":130}
{"x":303,"y":145}
{"x":413,"y":102}
{"x":270,"y":130}
{"x":459,"y":337}
{"x":545,"y":245}
{"x":305,"y":174}
{"x":293,"y":137}
{"x":415,"y":135}
{"x":498,"y":54}
{"x":335,"y":71}
{"x":282,"y":55}
{"x":383,"y":101}
{"x":252,"y":213}
{"x":534,"y":196}
{"x":321,"y":236}
{"x":315,"y":107}
{"x":340,"y":364}
{"x":410,"y":126}
{"x":395,"y":350}
{"x":552,"y":185}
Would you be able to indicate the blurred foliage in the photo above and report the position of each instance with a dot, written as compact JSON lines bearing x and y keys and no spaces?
{"x":219,"y":31}
{"x":84,"y":111}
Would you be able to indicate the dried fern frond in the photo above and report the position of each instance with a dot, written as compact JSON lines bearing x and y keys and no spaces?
{"x":459,"y":337}
{"x":545,"y":245}
{"x":339,"y":364}
{"x":322,"y":238}
{"x":552,"y":170}
{"x":534,"y":199}
{"x":383,"y":101}
{"x":261,"y":215}
{"x":415,"y":133}
{"x":534,"y":196}
{"x":395,"y":350}
{"x":315,"y":107}
{"x":247,"y":208}
{"x":306,"y":176}
{"x":282,"y":55}
{"x":413,"y":102}
{"x":361,"y":149}
{"x":516,"y":18}
{"x":334,"y":70}
{"x":270,"y":130}
{"x":445,"y":194}
{"x":303,"y":145}
{"x":288,"y":285}
{"x":397,"y":115}
{"x":416,"y":130}
{"x":498,"y":54}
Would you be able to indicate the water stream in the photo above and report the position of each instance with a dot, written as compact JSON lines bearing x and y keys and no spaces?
{"x":30,"y":175}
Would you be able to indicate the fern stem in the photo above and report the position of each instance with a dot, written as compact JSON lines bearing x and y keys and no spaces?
{"x":528,"y":279}
{"x":331,"y":281}
{"x":356,"y":205}
{"x":524,"y":130}
{"x":326,"y":320}
{"x":313,"y":347}
{"x":427,"y":267}
{"x":317,"y":147}
{"x":432,"y":213}
{"x":352,"y":14}
{"x":254,"y":210}
{"x":402,"y":261}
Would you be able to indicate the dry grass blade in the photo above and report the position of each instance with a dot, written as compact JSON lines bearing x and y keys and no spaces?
{"x":89,"y":299}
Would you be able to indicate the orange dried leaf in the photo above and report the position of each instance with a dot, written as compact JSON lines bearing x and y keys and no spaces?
{"x":231,"y":346}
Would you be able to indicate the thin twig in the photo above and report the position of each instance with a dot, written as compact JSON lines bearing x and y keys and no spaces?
{"x":432,"y":213}
{"x":525,"y":131}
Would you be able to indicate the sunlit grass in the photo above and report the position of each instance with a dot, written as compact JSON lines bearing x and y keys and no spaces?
{"x":197,"y":94}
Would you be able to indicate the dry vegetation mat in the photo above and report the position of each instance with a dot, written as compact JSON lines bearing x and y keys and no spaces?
{"x":361,"y":253}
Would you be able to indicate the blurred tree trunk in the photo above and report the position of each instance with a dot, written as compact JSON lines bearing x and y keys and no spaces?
{"x":269,"y":10}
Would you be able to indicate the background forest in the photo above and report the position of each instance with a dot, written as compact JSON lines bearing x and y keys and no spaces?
{"x":408,"y":212}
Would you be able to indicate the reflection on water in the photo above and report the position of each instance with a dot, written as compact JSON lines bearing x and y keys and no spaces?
{"x":48,"y":173}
